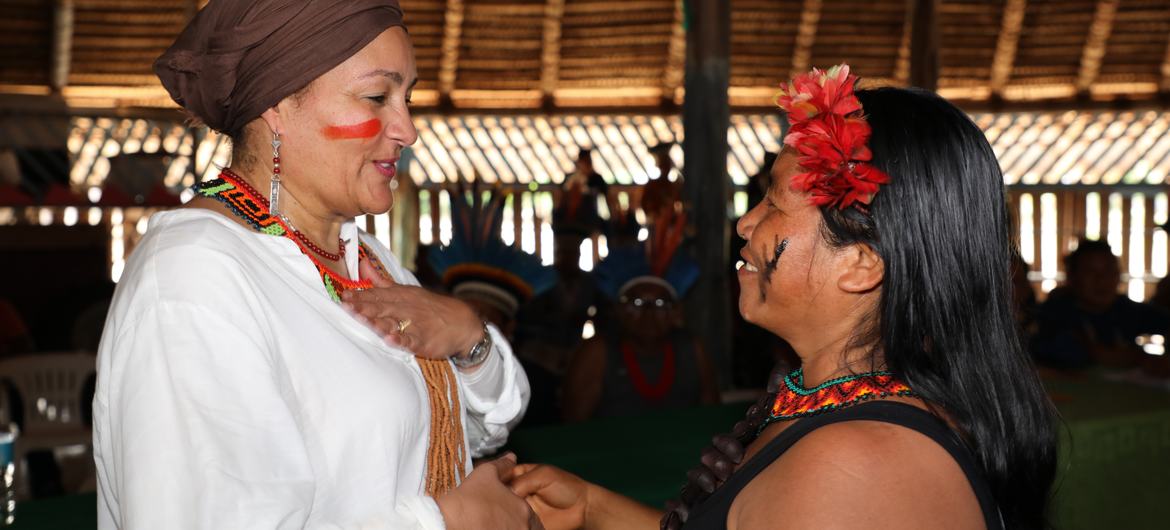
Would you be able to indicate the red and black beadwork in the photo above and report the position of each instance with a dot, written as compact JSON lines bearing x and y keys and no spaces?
{"x":793,"y":400}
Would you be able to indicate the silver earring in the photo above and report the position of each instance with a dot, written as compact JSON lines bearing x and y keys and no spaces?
{"x":274,"y":190}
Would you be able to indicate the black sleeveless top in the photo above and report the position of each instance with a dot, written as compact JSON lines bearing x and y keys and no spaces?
{"x":712,"y":513}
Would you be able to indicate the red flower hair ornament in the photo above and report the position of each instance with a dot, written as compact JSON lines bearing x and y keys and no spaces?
{"x":829,"y":134}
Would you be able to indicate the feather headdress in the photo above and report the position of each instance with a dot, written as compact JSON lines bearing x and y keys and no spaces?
{"x":657,"y":261}
{"x":479,"y":263}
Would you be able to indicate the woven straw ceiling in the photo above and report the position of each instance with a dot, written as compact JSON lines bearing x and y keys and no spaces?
{"x":497,"y":55}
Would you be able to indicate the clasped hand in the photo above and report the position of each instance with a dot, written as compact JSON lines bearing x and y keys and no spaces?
{"x":430,"y":325}
{"x":560,"y":499}
{"x":483,"y":501}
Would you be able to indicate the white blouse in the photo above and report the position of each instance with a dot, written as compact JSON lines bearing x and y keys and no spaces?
{"x":233,"y":393}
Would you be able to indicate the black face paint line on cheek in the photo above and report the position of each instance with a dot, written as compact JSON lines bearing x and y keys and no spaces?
{"x":770,"y":267}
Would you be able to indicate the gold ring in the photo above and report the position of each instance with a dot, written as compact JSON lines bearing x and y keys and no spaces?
{"x":402,"y":325}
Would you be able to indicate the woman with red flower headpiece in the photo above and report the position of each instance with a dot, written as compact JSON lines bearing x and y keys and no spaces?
{"x":881,"y":254}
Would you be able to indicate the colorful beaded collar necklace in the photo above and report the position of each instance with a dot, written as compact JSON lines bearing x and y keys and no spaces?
{"x":245,"y":202}
{"x":793,"y":400}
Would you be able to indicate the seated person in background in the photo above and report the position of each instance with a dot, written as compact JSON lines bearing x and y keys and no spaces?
{"x":483,"y":271}
{"x":1086,"y":322}
{"x":642,"y":359}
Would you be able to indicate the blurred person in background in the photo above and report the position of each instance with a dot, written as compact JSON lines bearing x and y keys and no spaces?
{"x":1087,"y":322}
{"x":661,"y":195}
{"x":642,"y":359}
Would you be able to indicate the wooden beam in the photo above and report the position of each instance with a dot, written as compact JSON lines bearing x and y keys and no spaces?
{"x":924,"y":45}
{"x":706,"y":188}
{"x":676,"y":55}
{"x":1006,"y":45}
{"x":1095,"y":43}
{"x":550,"y":56}
{"x":806,"y":34}
{"x":62,"y":44}
{"x":449,"y":49}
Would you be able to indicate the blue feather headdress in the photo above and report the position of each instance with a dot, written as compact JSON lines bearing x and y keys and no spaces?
{"x":656,"y":261}
{"x":478,"y":263}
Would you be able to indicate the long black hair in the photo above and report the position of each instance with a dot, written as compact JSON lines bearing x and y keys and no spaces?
{"x":945,"y":322}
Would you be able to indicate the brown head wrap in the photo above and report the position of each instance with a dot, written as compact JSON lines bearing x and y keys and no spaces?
{"x":237,"y":58}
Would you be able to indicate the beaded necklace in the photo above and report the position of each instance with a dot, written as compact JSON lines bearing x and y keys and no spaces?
{"x":256,"y":211}
{"x":665,"y":378}
{"x":793,"y":400}
{"x":242,"y":199}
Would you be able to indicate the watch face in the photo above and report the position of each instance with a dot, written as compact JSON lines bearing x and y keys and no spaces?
{"x":478,"y":353}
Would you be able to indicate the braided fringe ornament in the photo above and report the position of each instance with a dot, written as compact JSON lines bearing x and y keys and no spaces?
{"x":446,"y":454}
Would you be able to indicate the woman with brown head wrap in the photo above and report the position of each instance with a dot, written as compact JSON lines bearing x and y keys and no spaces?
{"x":266,"y":364}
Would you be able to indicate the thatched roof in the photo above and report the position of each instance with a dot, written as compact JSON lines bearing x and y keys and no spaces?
{"x":484,"y":55}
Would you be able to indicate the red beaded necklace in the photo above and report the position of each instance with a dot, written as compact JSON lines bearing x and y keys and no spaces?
{"x":242,"y":199}
{"x":320,"y":251}
{"x":665,"y":378}
{"x":795,"y":401}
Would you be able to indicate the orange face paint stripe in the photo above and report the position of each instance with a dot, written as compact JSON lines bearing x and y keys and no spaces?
{"x":363,"y":130}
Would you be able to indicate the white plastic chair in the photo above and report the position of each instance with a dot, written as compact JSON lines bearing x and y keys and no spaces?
{"x":50,"y":387}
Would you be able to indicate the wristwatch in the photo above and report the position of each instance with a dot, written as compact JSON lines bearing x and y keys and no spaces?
{"x":478,"y":353}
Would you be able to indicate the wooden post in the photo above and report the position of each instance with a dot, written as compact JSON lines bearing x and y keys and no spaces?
{"x":1150,"y":230}
{"x":1126,"y":227}
{"x":924,"y":45}
{"x":1080,"y":201}
{"x":436,"y":216}
{"x":518,"y":219}
{"x":62,"y":44}
{"x":537,"y":225}
{"x":706,"y":185}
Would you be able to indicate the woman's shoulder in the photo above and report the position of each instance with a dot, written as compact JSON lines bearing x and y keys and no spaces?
{"x":193,"y":227}
{"x":183,"y":226}
{"x":184,"y":250}
{"x":842,"y":474}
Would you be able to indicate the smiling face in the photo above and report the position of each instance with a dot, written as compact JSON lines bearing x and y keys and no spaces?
{"x":341,"y":138}
{"x":786,"y":264}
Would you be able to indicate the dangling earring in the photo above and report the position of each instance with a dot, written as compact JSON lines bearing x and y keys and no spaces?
{"x":274,"y":190}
